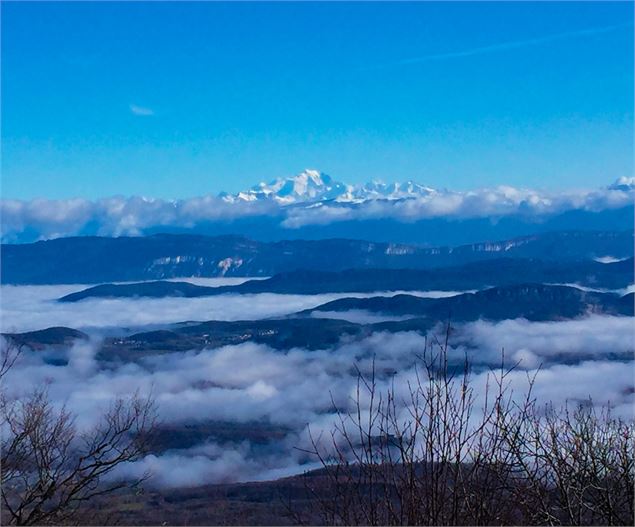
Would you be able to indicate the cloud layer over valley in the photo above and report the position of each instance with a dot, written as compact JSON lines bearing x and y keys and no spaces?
{"x":29,"y":308}
{"x":254,"y":389}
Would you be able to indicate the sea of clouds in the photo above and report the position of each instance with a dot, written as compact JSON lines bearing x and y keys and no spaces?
{"x":33,"y":307}
{"x":295,"y":389}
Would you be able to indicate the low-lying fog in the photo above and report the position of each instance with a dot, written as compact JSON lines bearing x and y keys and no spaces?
{"x":28,"y":308}
{"x":295,"y":389}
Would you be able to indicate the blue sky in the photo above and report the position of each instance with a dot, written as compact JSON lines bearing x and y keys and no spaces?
{"x":176,"y":100}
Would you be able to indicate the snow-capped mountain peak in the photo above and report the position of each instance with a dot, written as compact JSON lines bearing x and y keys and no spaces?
{"x":309,"y":185}
{"x":312,"y":186}
{"x":381,"y":190}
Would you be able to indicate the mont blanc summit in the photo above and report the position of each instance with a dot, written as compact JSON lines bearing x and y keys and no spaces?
{"x":310,"y":186}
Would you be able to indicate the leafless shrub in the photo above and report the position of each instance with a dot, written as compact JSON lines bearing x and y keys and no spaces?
{"x":50,"y":468}
{"x":442,"y":462}
{"x":10,"y":351}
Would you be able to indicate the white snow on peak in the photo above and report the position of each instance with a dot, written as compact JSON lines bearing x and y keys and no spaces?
{"x":307,"y":186}
{"x":314,"y":186}
{"x":381,"y":190}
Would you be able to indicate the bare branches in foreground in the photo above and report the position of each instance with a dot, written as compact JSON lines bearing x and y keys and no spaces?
{"x":432,"y":455}
{"x":50,"y":467}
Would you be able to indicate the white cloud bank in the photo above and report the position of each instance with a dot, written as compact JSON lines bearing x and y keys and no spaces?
{"x":252,"y":383}
{"x":115,"y":216}
{"x":33,"y":307}
{"x":487,"y":202}
{"x":42,"y":218}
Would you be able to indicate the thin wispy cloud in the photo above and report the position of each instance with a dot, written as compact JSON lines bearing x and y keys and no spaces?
{"x":141,"y":110}
{"x":503,"y":46}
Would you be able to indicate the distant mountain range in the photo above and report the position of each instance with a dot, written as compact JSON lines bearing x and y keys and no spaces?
{"x":312,"y":186}
{"x":536,"y":302}
{"x":312,"y":205}
{"x":475,"y":275}
{"x":531,"y":301}
{"x":99,"y":259}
